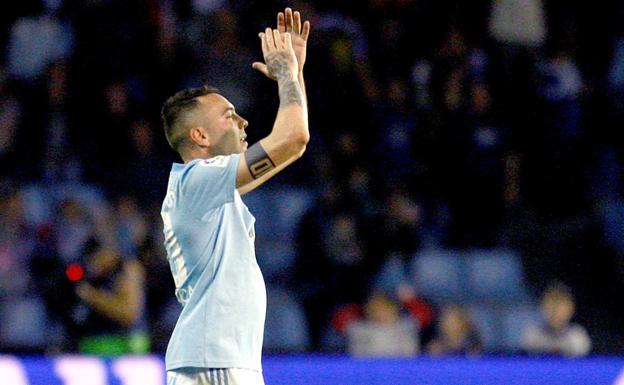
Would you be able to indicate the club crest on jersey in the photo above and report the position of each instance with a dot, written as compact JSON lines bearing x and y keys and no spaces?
{"x":217,"y":161}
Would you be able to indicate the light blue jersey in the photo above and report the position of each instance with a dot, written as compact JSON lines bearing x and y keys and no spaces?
{"x":209,"y":237}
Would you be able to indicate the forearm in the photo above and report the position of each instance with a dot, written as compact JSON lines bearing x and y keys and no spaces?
{"x":290,"y":130}
{"x":120,"y":308}
{"x":292,"y":115}
{"x":303,"y":88}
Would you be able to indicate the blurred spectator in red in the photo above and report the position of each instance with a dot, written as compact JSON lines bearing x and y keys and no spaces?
{"x":457,"y":333}
{"x":556,"y":334}
{"x":382,"y":331}
{"x":382,"y":316}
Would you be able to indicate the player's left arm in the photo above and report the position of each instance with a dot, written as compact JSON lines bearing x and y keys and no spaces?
{"x":257,"y":182}
{"x":287,"y":21}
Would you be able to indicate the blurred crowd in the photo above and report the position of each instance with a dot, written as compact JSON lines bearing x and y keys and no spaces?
{"x":435,"y":124}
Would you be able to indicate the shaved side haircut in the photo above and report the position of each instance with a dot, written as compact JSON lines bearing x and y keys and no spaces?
{"x":176,"y":109}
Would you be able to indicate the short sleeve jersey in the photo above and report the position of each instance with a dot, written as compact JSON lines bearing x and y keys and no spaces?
{"x":209,"y":238}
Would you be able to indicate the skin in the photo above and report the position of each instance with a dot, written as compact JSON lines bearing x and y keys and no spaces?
{"x":123,"y":303}
{"x":558,"y":312}
{"x":218,"y":130}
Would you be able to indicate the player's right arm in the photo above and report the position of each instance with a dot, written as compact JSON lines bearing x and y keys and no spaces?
{"x":289,"y":136}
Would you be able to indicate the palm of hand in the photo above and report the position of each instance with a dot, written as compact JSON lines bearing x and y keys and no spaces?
{"x":299,"y":46}
{"x":289,"y":21}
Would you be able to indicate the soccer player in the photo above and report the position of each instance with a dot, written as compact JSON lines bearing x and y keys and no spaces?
{"x":209,"y":232}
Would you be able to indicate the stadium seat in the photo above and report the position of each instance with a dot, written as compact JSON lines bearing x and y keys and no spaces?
{"x":23,"y":323}
{"x":438,"y":275}
{"x":286,"y":329}
{"x":393,"y":273}
{"x":487,"y":321}
{"x":514,"y":321}
{"x":495,"y":275}
{"x":277,"y":214}
{"x":612,"y":216}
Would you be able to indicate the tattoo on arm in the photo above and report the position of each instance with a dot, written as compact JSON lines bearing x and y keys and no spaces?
{"x":258,"y":161}
{"x":289,"y":89}
{"x":277,"y":64}
{"x":290,"y":93}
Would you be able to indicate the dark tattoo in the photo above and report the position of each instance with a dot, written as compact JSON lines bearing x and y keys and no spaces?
{"x":258,"y":161}
{"x":289,"y":90}
{"x":290,"y":93}
{"x":277,"y":64}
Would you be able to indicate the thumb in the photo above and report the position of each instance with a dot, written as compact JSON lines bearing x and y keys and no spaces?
{"x":261,"y":67}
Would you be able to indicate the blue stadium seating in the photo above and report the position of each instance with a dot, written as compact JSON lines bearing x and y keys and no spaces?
{"x":393,"y":273}
{"x":487,"y":321}
{"x":495,"y":275}
{"x":612,"y":216}
{"x":514,"y":321}
{"x":277,"y":212}
{"x":438,"y":275}
{"x":23,"y":322}
{"x":286,"y":328}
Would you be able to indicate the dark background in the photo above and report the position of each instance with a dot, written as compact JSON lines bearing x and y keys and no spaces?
{"x":430,"y":129}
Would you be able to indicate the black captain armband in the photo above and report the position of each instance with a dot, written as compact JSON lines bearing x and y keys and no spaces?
{"x":258,"y":161}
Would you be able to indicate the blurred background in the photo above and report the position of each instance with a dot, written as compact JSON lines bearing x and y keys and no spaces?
{"x":462,"y":192}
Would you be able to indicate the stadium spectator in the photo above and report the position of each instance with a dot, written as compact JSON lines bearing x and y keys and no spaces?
{"x":383,"y":331}
{"x":333,"y":261}
{"x":111,"y":316}
{"x":10,"y":115}
{"x":16,"y":243}
{"x":36,"y":40}
{"x":457,"y":334}
{"x":557,"y":334}
{"x":497,"y":126}
{"x":518,"y":22}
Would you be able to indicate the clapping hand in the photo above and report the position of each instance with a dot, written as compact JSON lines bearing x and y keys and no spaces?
{"x":290,"y":22}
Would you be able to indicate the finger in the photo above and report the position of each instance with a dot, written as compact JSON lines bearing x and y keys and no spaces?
{"x":306,"y":30}
{"x":288,"y":41}
{"x":297,"y":24}
{"x":281,"y":24}
{"x":270,"y":40}
{"x":277,"y":37}
{"x":261,"y":67}
{"x":289,"y":20}
{"x":263,"y":38}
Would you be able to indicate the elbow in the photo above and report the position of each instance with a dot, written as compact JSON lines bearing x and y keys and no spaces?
{"x":299,"y":142}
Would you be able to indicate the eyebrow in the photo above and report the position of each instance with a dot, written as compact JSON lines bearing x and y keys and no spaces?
{"x":228,"y":109}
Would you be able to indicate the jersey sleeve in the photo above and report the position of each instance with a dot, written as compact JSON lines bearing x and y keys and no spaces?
{"x":209,"y":183}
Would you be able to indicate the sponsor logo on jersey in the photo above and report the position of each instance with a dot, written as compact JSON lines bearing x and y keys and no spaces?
{"x":217,"y":161}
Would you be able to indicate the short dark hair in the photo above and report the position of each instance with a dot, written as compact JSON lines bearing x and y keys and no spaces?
{"x":176,"y":107}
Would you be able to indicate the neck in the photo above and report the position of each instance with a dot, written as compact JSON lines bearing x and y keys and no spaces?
{"x":195,"y":153}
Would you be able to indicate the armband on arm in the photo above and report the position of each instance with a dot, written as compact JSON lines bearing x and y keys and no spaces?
{"x":258,"y":161}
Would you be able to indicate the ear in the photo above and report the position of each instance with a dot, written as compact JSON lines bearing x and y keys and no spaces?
{"x":199,"y":136}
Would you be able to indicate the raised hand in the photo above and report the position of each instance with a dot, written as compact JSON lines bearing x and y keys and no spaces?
{"x":279,"y":56}
{"x":289,"y":21}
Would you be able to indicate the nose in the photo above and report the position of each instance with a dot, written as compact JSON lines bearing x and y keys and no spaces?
{"x":244,"y":123}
